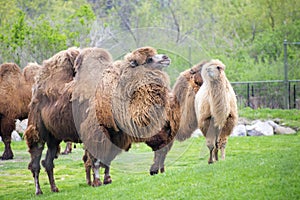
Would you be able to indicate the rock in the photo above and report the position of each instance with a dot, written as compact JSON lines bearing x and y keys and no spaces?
{"x":239,"y":130}
{"x":244,"y":121}
{"x":273,"y":124}
{"x":197,"y":133}
{"x":260,"y":128}
{"x":284,"y":130}
{"x":254,"y":132}
{"x":15,"y":136}
{"x":21,"y":125}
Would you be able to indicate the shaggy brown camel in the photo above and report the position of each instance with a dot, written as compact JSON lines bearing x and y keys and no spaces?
{"x":131,"y":105}
{"x":51,"y":117}
{"x":15,"y":89}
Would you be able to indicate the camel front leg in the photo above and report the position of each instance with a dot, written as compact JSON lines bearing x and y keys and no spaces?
{"x":96,"y":170}
{"x":107,"y":178}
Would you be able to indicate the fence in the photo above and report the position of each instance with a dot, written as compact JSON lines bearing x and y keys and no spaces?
{"x":268,"y":94}
{"x":283,"y":94}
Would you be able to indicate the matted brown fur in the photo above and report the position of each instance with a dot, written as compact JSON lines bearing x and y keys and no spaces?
{"x":50,"y":118}
{"x":15,"y":87}
{"x":134,"y":100}
{"x":184,"y":90}
{"x":131,"y":104}
{"x":181,"y":117}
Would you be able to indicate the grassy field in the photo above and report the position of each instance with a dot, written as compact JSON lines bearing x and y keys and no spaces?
{"x":255,"y":168}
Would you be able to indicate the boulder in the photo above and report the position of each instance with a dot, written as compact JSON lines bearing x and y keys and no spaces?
{"x":284,"y":130}
{"x":260,"y":128}
{"x":239,"y":130}
{"x":273,"y":124}
{"x":15,"y":136}
{"x":21,"y":125}
{"x":197,"y":133}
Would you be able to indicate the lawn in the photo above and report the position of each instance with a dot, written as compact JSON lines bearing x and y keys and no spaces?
{"x":255,"y":168}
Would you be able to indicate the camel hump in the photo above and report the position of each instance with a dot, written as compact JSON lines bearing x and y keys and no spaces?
{"x":30,"y":71}
{"x":9,"y":69}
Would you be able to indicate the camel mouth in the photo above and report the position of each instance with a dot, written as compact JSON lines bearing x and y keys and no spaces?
{"x":165,"y":62}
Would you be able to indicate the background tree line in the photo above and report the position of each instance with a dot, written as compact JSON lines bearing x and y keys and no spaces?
{"x":247,"y":35}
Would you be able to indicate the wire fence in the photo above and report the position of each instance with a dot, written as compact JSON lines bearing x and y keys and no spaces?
{"x":282,"y":94}
{"x":268,"y":94}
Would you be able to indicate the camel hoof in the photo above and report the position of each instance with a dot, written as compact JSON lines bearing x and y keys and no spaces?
{"x":39,"y":192}
{"x":107,"y":180}
{"x":96,"y":183}
{"x":6,"y":156}
{"x":55,"y":189}
{"x":210,"y":162}
{"x":89,"y":183}
{"x":153,"y":172}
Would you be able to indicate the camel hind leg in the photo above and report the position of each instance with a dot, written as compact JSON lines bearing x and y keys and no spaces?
{"x":52,"y":152}
{"x":212,"y":136}
{"x":159,"y":159}
{"x":6,"y":127}
{"x":34,"y":166}
{"x":88,"y":167}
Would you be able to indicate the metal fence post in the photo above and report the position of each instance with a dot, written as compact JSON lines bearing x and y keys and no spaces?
{"x":286,"y":80}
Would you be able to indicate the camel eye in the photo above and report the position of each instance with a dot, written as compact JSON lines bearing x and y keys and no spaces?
{"x":218,"y":67}
{"x":149,"y":60}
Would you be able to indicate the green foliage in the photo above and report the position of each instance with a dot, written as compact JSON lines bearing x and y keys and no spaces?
{"x":246,"y":35}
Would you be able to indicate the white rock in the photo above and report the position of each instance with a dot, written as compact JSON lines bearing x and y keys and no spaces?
{"x":15,"y":136}
{"x":273,"y":124}
{"x":260,"y":128}
{"x":197,"y":133}
{"x":284,"y":130}
{"x":239,"y":130}
{"x":21,"y":125}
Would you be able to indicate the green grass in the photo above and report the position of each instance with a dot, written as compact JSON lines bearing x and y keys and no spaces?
{"x":255,"y":168}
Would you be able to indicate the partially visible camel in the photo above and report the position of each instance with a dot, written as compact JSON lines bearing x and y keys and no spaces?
{"x":182,"y":115}
{"x":15,"y":89}
{"x":51,"y":116}
{"x":216,"y":108}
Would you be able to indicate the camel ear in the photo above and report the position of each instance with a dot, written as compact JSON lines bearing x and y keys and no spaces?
{"x":192,"y":71}
{"x":134,"y":63}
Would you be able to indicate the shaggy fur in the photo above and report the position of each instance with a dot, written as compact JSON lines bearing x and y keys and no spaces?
{"x":182,"y":116}
{"x":15,"y":88}
{"x":131,"y":105}
{"x":216,"y":108}
{"x":52,"y":114}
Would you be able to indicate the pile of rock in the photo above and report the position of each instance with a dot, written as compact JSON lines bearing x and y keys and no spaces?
{"x":260,"y":128}
{"x":256,"y":128}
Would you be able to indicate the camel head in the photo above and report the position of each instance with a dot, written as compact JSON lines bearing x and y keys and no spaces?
{"x":147,"y":57}
{"x":213,"y":70}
